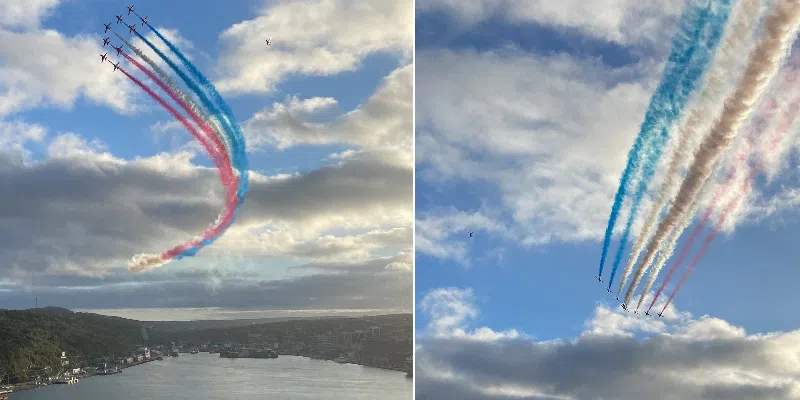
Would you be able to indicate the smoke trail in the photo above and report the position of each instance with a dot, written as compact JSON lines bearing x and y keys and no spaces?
{"x":674,"y":103}
{"x":183,"y":95}
{"x":730,"y":51}
{"x":670,"y":247}
{"x":215,"y":150}
{"x":692,"y":20}
{"x":237,"y":139}
{"x":709,"y":239}
{"x":763,"y":63}
{"x":789,"y":117}
{"x":147,"y":261}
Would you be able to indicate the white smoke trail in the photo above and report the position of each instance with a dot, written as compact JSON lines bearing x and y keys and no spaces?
{"x":185,"y":97}
{"x":144,"y":262}
{"x":764,"y":61}
{"x":728,"y":60}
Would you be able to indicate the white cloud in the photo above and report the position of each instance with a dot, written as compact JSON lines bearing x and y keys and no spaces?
{"x":622,"y":21}
{"x":311,"y":37}
{"x":677,"y":357}
{"x":46,"y":68}
{"x":550,"y":132}
{"x":26,"y":14}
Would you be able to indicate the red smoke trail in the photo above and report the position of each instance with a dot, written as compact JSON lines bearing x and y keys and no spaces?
{"x":710,"y":237}
{"x":217,"y":150}
{"x":231,"y":199}
{"x":786,"y":123}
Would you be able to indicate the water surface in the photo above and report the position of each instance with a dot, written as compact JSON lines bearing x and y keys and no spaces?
{"x":208,"y":377}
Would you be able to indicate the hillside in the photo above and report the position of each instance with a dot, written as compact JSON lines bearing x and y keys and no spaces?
{"x":37,"y":338}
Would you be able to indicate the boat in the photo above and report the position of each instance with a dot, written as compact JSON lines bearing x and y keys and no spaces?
{"x":340,"y":360}
{"x":194,"y":351}
{"x":66,"y":380}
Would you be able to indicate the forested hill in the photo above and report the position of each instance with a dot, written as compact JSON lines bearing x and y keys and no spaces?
{"x":36,"y":338}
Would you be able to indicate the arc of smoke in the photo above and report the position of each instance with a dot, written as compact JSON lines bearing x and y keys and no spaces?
{"x":764,"y":61}
{"x":220,"y":158}
{"x":232,"y":128}
{"x":729,"y":52}
{"x":215,"y":149}
{"x":790,"y":115}
{"x":237,"y":137}
{"x":146,"y":261}
{"x":683,"y":87}
{"x":692,"y":18}
{"x":213,"y":122}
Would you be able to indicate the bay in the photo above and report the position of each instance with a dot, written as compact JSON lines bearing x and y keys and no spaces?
{"x":206,"y":376}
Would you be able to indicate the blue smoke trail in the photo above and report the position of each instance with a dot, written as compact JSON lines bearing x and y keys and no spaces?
{"x":240,"y":163}
{"x":692,"y":19}
{"x":682,"y":88}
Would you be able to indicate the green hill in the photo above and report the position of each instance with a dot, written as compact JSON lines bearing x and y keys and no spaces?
{"x":34,"y":339}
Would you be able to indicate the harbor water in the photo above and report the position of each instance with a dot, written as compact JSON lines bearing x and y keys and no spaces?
{"x":209,"y":377}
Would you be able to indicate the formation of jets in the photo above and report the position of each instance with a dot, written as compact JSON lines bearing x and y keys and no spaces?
{"x":132,"y":28}
{"x":608,"y":289}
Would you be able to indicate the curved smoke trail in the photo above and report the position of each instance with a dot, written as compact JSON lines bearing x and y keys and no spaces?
{"x":221,"y":158}
{"x":764,"y":61}
{"x":729,"y":53}
{"x":146,"y":261}
{"x":238,"y":156}
{"x":682,"y":48}
{"x":237,"y":139}
{"x":682,"y":88}
{"x":213,"y":122}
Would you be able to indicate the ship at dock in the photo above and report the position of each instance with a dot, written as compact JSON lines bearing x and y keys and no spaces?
{"x":248,"y":353}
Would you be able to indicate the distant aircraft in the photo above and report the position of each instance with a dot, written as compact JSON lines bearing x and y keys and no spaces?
{"x":598,"y":279}
{"x":103,"y":57}
{"x":119,"y":18}
{"x":608,"y":289}
{"x":118,"y":49}
{"x":269,"y":42}
{"x":470,"y":234}
{"x":659,"y":314}
{"x":624,"y":307}
{"x":132,"y":28}
{"x":636,"y":312}
{"x":116,"y":65}
{"x":647,"y":313}
{"x":130,"y":10}
{"x":106,"y":41}
{"x":108,"y":26}
{"x":144,"y":21}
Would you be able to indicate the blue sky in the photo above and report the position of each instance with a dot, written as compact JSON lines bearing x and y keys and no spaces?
{"x":326,"y":114}
{"x":525,"y":115}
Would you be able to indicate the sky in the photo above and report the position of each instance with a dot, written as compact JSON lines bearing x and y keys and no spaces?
{"x":93,"y":171}
{"x":525,"y":113}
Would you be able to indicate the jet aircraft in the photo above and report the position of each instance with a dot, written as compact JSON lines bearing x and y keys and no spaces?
{"x":103,"y":57}
{"x":108,"y":26}
{"x":119,"y":18}
{"x":470,"y":234}
{"x":106,"y":41}
{"x":598,"y":279}
{"x":625,"y":307}
{"x":130,"y":10}
{"x":118,"y":49}
{"x":132,"y":28}
{"x":269,"y":42}
{"x":144,"y":21}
